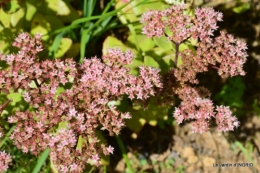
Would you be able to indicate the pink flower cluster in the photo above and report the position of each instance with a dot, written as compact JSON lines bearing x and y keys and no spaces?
{"x":197,"y":106}
{"x":182,"y":26}
{"x":58,"y":118}
{"x":5,"y":159}
{"x":223,"y":53}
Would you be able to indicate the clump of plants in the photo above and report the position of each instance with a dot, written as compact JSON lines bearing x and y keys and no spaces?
{"x":68,"y":102}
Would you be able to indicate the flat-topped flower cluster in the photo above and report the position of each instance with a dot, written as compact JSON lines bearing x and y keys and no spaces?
{"x":58,"y":118}
{"x":223,"y":53}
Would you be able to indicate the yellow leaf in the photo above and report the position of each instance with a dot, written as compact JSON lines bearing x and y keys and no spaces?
{"x":64,"y":46}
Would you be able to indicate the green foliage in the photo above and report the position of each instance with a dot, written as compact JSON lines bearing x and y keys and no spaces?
{"x":245,"y":151}
{"x":22,"y":163}
{"x":41,"y":160}
{"x":231,"y":94}
{"x":37,"y":17}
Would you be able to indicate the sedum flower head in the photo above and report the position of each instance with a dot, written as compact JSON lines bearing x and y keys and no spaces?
{"x":224,"y":53}
{"x":60,"y":119}
{"x":5,"y":160}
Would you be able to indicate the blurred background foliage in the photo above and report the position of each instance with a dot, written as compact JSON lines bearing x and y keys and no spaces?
{"x":87,"y":28}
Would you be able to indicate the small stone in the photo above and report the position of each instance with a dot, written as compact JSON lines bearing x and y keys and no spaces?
{"x":208,"y":161}
{"x":120,"y":167}
{"x":190,"y":169}
{"x":187,"y":152}
{"x":192,"y":159}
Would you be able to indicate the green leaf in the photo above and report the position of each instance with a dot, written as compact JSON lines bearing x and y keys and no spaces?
{"x":62,"y":125}
{"x":72,"y":16}
{"x":154,"y":112}
{"x":54,"y":21}
{"x":113,"y":42}
{"x":64,"y":46}
{"x":167,"y":63}
{"x":143,"y":41}
{"x":80,"y":142}
{"x":136,"y":8}
{"x":136,"y":122}
{"x":185,"y":46}
{"x":15,"y":97}
{"x":73,"y":51}
{"x":136,"y":63}
{"x":40,"y":25}
{"x":242,"y":8}
{"x":164,"y":43}
{"x":104,"y":159}
{"x":30,"y":11}
{"x":56,"y":43}
{"x":149,"y":61}
{"x":58,"y":6}
{"x":5,"y":18}
{"x":60,"y":89}
{"x":41,"y":160}
{"x":6,"y":38}
{"x":18,"y":16}
{"x":11,"y":6}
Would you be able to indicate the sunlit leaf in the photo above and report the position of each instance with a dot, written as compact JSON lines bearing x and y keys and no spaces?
{"x":113,"y":42}
{"x":164,"y":43}
{"x":143,"y":41}
{"x":17,"y":17}
{"x":5,"y":18}
{"x":73,"y":15}
{"x":80,"y":142}
{"x":40,"y":25}
{"x":30,"y":11}
{"x":58,"y":6}
{"x":64,"y":46}
{"x":15,"y":97}
{"x":11,"y":6}
{"x":149,"y":61}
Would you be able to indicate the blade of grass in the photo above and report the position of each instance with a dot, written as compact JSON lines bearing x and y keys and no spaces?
{"x":85,"y":8}
{"x":244,"y":151}
{"x":104,"y":15}
{"x":107,"y":7}
{"x":7,"y":135}
{"x":105,"y":168}
{"x":41,"y":160}
{"x":91,"y":7}
{"x":85,"y":37}
{"x":123,"y":150}
{"x":102,"y":26}
{"x":56,"y":43}
{"x":66,"y":28}
{"x":100,"y":17}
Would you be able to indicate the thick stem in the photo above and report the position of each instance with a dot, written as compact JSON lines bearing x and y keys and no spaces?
{"x":213,"y":67}
{"x":176,"y":54}
{"x":7,"y":102}
{"x":4,"y":105}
